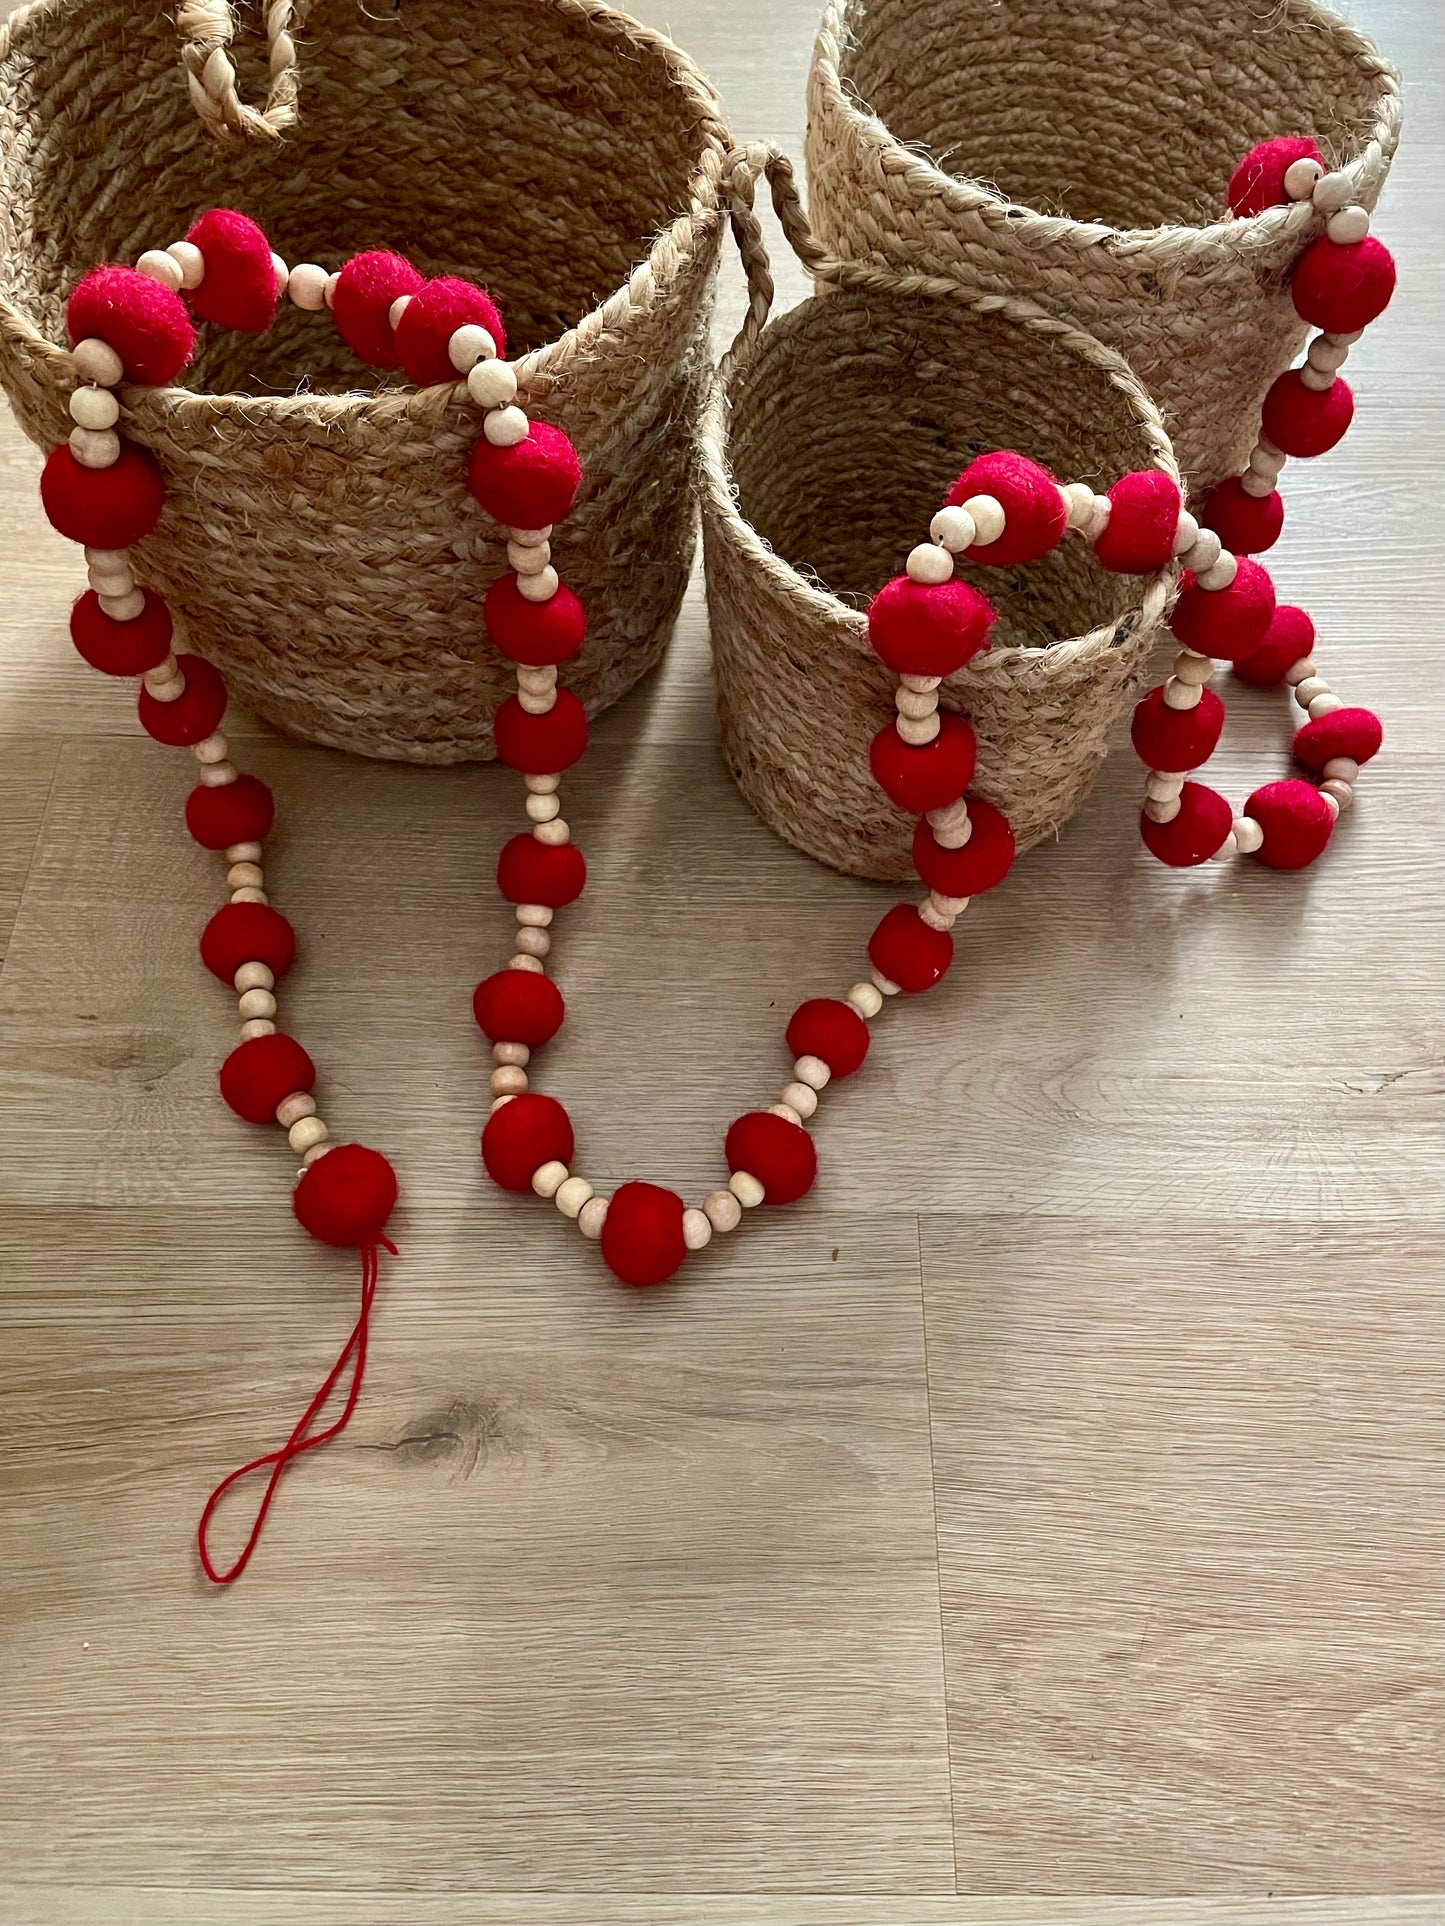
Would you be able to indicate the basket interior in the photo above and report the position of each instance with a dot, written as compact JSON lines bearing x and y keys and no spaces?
{"x":523,"y":144}
{"x":855,"y":415}
{"x":1136,"y":121}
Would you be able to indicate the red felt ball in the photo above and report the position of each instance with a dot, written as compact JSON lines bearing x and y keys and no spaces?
{"x":980,"y":864}
{"x":928,"y":777}
{"x":518,"y":1006}
{"x":1288,"y":639}
{"x":240,"y":812}
{"x":1143,"y":515}
{"x":532,"y":872}
{"x":541,"y":745}
{"x":928,"y":628}
{"x":1341,"y":289}
{"x":1304,"y":421}
{"x":239,"y":287}
{"x":122,"y":648}
{"x":529,"y":486}
{"x":346,"y":1197}
{"x":1035,"y":513}
{"x":779,"y":1154}
{"x":1357,"y":733}
{"x":432,"y":317}
{"x":261,"y":1073}
{"x":1258,"y":181}
{"x":103,"y":507}
{"x":1246,"y":524}
{"x":1176,"y":739}
{"x":534,"y":633}
{"x":1204,"y":820}
{"x":361,"y":303}
{"x":524,"y":1134}
{"x":247,"y":933}
{"x":1296,"y":821}
{"x":642,"y":1241}
{"x":195,"y":714}
{"x":1228,"y":623}
{"x":826,"y":1028}
{"x":148,"y":326}
{"x":908,"y":952}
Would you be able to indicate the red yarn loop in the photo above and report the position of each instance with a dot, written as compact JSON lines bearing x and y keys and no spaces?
{"x":928,"y":628}
{"x":930,"y":776}
{"x":908,"y":951}
{"x":1035,"y":513}
{"x":103,"y":507}
{"x":518,"y":1006}
{"x":1258,"y":181}
{"x":147,"y":325}
{"x":527,"y":1132}
{"x":642,"y":1241}
{"x":1175,"y":740}
{"x":365,"y":292}
{"x":195,"y":714}
{"x":531,"y":485}
{"x":830,"y":1030}
{"x":122,"y":648}
{"x":781,"y":1155}
{"x":430,"y":319}
{"x":1246,"y":524}
{"x":981,"y":864}
{"x":239,"y":286}
{"x":1143,"y":517}
{"x":1195,"y":834}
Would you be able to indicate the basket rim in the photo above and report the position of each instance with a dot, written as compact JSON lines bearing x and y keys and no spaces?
{"x":719,"y":503}
{"x":668,"y":257}
{"x":961,"y":194}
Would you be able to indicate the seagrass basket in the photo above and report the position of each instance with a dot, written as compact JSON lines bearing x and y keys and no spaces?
{"x":1078,"y":157}
{"x":318,"y":541}
{"x":827,"y":446}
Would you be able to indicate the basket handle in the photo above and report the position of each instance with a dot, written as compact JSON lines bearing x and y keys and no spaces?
{"x":757,"y":161}
{"x":207,"y":28}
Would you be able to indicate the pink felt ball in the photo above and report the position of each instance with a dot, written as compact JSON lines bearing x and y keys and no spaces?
{"x":524,"y":1134}
{"x":1035,"y":513}
{"x":928,"y":628}
{"x":239,"y":288}
{"x":929,"y":776}
{"x":1356,"y":733}
{"x":148,"y":326}
{"x":1296,"y":821}
{"x":778,"y":1153}
{"x":122,"y":648}
{"x":346,"y":1197}
{"x":432,"y":317}
{"x":531,"y":485}
{"x":1288,"y":639}
{"x":1305,"y":421}
{"x":1246,"y":524}
{"x":1227,"y":623}
{"x":908,"y":951}
{"x":541,"y":745}
{"x":103,"y":507}
{"x":260,"y":1073}
{"x":978,"y":865}
{"x":1258,"y":181}
{"x":534,"y":633}
{"x":831,"y":1030}
{"x":1196,"y":833}
{"x":240,"y":812}
{"x":247,"y":933}
{"x":195,"y":714}
{"x":361,"y":302}
{"x":642,"y":1241}
{"x":1343,"y":288}
{"x":1176,"y":739}
{"x":518,"y":1006}
{"x":1143,"y":515}
{"x":533,"y":872}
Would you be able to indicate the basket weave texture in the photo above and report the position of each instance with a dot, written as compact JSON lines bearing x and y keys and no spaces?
{"x":830,"y":440}
{"x":318,"y":541}
{"x":1020,"y":150}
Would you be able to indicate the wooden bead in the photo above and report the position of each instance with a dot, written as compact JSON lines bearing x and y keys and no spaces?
{"x":1253,"y":483}
{"x":315,"y":1154}
{"x":492,"y":384}
{"x":307,"y":286}
{"x":1341,"y":793}
{"x":540,"y":587}
{"x":536,"y":916}
{"x":1267,"y":461}
{"x":801,"y":1097}
{"x":524,"y":537}
{"x":917,"y":730}
{"x":257,"y":1027}
{"x":257,"y":1003}
{"x":245,"y":876}
{"x":505,"y":427}
{"x":1220,"y":574}
{"x":1308,"y":687}
{"x":515,"y":1053}
{"x":547,"y":1181}
{"x":249,"y":893}
{"x":292,"y":1109}
{"x":572,"y":1194}
{"x":331,"y":281}
{"x":885,"y":984}
{"x":746,"y":1188}
{"x":1331,"y":803}
{"x":469,"y":345}
{"x":1327,"y":354}
{"x":397,"y":309}
{"x":1248,"y":835}
{"x":866,"y":999}
{"x":111,"y":584}
{"x":915,"y":704}
{"x":1193,"y":669}
{"x":536,"y":680}
{"x":521,"y":961}
{"x":124,"y":608}
{"x":544,"y":809}
{"x":786,"y":1112}
{"x":554,"y":833}
{"x":1162,"y":809}
{"x":1318,"y":380}
{"x":306,"y":1133}
{"x":921,"y":684}
{"x":696,"y":1230}
{"x":218,"y":775}
{"x":94,"y":408}
{"x":244,"y":853}
{"x":1079,"y":498}
{"x":950,"y":906}
{"x":1099,"y":520}
{"x":253,"y":976}
{"x":1300,"y":671}
{"x":157,"y":264}
{"x":191,"y":262}
{"x":1186,"y":532}
{"x":1159,"y":786}
{"x":1342,"y":769}
{"x":1227,"y":850}
{"x":214,"y":748}
{"x":1181,"y":695}
{"x":165,"y":683}
{"x":97,"y":361}
{"x":953,"y":529}
{"x":813,"y":1072}
{"x":1205,"y":552}
{"x":282,"y":274}
{"x":542,"y":785}
{"x":95,"y":450}
{"x":1332,"y":192}
{"x":509,"y":1080}
{"x":988,"y":518}
{"x":935,"y":918}
{"x":952,"y":826}
{"x":537,"y":702}
{"x":533,"y":942}
{"x":526,"y":560}
{"x":722,"y":1210}
{"x":592,"y":1216}
{"x":930,"y":562}
{"x":1300,"y":177}
{"x":1325,"y":705}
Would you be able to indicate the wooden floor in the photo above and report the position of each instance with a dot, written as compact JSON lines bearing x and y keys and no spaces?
{"x":1048,"y":1507}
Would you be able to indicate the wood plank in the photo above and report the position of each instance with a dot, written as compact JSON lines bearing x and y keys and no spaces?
{"x":26,"y":771}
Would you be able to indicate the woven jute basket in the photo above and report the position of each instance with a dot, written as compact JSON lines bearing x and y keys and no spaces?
{"x":1078,"y":157}
{"x":829,"y":441}
{"x":318,"y":541}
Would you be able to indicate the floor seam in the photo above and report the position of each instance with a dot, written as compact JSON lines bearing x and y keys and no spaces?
{"x":937,"y":1553}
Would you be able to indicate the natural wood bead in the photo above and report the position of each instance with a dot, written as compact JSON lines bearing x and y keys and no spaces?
{"x":245,"y":876}
{"x":537,"y":702}
{"x":1186,"y":532}
{"x":918,"y":730}
{"x":253,"y":976}
{"x":1181,"y":695}
{"x":249,"y":893}
{"x":1193,"y":669}
{"x":592,"y":1216}
{"x":921,"y":684}
{"x":244,"y":853}
{"x":1342,"y":769}
{"x":124,"y":608}
{"x":211,"y":748}
{"x":315,"y":1154}
{"x":1227,"y":850}
{"x":514,"y":1053}
{"x":533,"y":942}
{"x":885,"y":984}
{"x":158,"y":680}
{"x":497,"y":1103}
{"x":1318,"y":380}
{"x":953,"y":529}
{"x":1308,"y":688}
{"x":951,"y":825}
{"x":1340,"y":792}
{"x":746,"y":1188}
{"x":526,"y":560}
{"x":509,"y":1081}
{"x":930,"y":563}
{"x":696,"y":1229}
{"x":786,"y":1112}
{"x":1300,"y":177}
{"x":543,"y":809}
{"x":1300,"y":671}
{"x":1079,"y":499}
{"x":1332,"y":804}
{"x":554,"y":833}
{"x":1205,"y":552}
{"x":1159,"y":785}
{"x":97,"y":361}
{"x":505,"y":427}
{"x":1248,"y":835}
{"x":540,"y":587}
{"x":914,"y":703}
{"x":1266,"y":460}
{"x":801,"y":1097}
{"x":549,"y":1179}
{"x":257,"y":1027}
{"x":521,"y":961}
{"x":111,"y":583}
{"x":1325,"y":705}
{"x":191,"y":262}
{"x":527,"y":537}
{"x":307,"y":286}
{"x":492,"y":384}
{"x":397,"y":309}
{"x":1253,"y":483}
{"x":282,"y":274}
{"x":292,"y":1109}
{"x":257,"y":1003}
{"x":988,"y":518}
{"x":866,"y":999}
{"x":1163,"y":809}
{"x":535,"y":916}
{"x":217,"y":775}
{"x":813,"y":1072}
{"x":470,"y":344}
{"x":544,"y":677}
{"x":95,"y":449}
{"x":542,"y":785}
{"x":572,"y":1194}
{"x":94,"y":408}
{"x":1220,"y":574}
{"x":935,"y":918}
{"x":950,"y":906}
{"x":722,"y":1210}
{"x":331,"y":281}
{"x":1349,"y":225}
{"x":306,"y":1133}
{"x":157,"y":264}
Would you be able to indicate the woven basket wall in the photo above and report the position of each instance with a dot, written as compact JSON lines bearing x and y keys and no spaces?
{"x":318,"y":542}
{"x":1078,"y":156}
{"x":825,"y":451}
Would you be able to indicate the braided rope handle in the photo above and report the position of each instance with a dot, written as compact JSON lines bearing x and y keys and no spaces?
{"x":207,"y":28}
